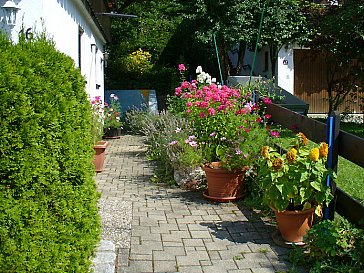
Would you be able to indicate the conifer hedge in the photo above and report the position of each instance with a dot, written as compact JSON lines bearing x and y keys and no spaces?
{"x":48,"y":200}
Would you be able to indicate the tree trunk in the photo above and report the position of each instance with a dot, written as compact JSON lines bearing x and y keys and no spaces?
{"x":273,"y":54}
{"x":241,"y":55}
{"x":223,"y":57}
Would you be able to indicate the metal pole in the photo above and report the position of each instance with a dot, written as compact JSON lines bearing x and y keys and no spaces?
{"x":218,"y":59}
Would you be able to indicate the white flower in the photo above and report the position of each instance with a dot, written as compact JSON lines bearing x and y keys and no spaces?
{"x":178,"y":130}
{"x":199,"y":69}
{"x":208,"y":79}
{"x":200,"y":78}
{"x":213,"y":80}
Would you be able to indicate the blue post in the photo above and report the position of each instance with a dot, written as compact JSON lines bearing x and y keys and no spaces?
{"x":332,"y":139}
{"x":330,"y":136}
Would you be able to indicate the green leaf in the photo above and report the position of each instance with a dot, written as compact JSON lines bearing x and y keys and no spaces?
{"x":316,"y":185}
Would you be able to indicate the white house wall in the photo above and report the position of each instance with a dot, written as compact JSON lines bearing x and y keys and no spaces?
{"x":284,"y":66}
{"x":61,"y":20}
{"x":285,"y":75}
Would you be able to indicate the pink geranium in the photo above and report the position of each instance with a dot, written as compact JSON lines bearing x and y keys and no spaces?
{"x":181,"y":67}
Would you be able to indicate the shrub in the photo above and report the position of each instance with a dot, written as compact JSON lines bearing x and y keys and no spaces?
{"x":334,"y":246}
{"x":48,"y":200}
{"x":170,"y":141}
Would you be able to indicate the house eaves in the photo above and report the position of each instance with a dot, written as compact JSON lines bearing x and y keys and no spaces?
{"x":100,"y":24}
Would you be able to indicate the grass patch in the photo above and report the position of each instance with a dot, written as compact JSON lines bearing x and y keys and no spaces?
{"x":350,"y":127}
{"x":350,"y":179}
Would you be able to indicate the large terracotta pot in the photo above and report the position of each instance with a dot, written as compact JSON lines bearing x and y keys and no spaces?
{"x":223,"y":185}
{"x":293,"y":225}
{"x":99,"y":156}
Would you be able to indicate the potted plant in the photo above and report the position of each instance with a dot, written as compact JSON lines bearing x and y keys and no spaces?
{"x":97,"y":131}
{"x":229,"y":129}
{"x":112,"y":122}
{"x":294,"y":185}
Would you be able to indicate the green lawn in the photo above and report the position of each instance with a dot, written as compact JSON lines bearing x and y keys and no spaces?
{"x":351,"y":179}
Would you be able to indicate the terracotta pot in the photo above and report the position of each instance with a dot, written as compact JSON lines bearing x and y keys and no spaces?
{"x":112,"y":133}
{"x":223,"y":185}
{"x":99,"y":156}
{"x":293,"y":225}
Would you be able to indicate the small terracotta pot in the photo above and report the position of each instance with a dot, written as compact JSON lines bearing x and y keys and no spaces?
{"x":293,"y":225}
{"x":223,"y":185}
{"x":99,"y":156}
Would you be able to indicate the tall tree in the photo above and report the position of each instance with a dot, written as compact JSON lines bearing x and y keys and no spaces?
{"x":284,"y":22}
{"x":230,"y":23}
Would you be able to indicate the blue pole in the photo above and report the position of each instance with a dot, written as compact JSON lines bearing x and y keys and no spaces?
{"x":330,"y":141}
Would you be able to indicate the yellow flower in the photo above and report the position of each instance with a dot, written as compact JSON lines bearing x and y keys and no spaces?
{"x":291,"y":155}
{"x":277,"y":164}
{"x":302,"y":139}
{"x":324,"y":149}
{"x":314,"y":154}
{"x":265,"y":151}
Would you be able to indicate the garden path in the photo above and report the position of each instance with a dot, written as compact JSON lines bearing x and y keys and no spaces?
{"x":158,"y":228}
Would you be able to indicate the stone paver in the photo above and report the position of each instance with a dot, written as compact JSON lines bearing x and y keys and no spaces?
{"x":156,"y":228}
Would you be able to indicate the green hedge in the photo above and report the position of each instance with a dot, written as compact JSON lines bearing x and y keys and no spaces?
{"x":48,"y":200}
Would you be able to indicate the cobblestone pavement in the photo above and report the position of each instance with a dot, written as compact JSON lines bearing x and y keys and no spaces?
{"x":157,"y":228}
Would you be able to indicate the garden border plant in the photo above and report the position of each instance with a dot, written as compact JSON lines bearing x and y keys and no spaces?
{"x":49,"y":219}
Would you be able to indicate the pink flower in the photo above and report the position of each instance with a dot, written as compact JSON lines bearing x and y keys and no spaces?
{"x":113,"y":96}
{"x":202,"y":115}
{"x":274,"y":134}
{"x":181,"y":67}
{"x":212,"y":111}
{"x":213,"y":134}
{"x":238,"y":152}
{"x":188,"y":111}
{"x":174,"y":142}
{"x":193,"y":144}
{"x":259,"y":120}
{"x":189,"y":104}
{"x":267,"y":116}
{"x":267,"y":100}
{"x":178,"y":91}
{"x":185,"y":85}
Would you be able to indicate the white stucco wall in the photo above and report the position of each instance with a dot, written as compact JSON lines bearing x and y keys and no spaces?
{"x":284,"y":66}
{"x":61,"y":20}
{"x":285,"y":75}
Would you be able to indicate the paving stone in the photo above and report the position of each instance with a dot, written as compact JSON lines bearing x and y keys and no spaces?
{"x":193,"y":242}
{"x":165,"y":266}
{"x":225,"y":264}
{"x":200,"y":234}
{"x":190,"y":269}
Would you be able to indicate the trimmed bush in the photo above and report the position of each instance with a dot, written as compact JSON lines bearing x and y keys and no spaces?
{"x":48,"y":200}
